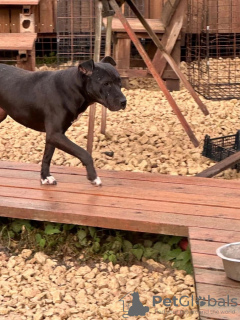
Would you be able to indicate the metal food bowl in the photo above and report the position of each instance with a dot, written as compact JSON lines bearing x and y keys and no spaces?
{"x":230,"y":254}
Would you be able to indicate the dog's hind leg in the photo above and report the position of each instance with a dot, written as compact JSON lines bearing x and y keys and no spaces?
{"x":3,"y":114}
{"x":46,"y":177}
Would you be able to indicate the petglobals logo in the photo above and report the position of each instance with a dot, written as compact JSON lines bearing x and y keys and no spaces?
{"x":136,"y":309}
{"x":132,"y":306}
{"x":201,"y":301}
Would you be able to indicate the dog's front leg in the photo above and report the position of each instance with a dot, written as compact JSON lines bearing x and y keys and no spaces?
{"x":60,"y":141}
{"x":46,"y":177}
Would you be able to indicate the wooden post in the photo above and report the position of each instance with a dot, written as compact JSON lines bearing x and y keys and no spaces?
{"x":170,"y":36}
{"x":169,"y":59}
{"x":97,"y":49}
{"x":156,"y":76}
{"x":107,"y":53}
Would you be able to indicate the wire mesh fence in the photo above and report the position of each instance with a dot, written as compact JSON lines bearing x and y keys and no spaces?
{"x":213,"y":48}
{"x":76,"y":29}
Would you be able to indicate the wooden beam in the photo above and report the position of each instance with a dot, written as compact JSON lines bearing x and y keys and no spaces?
{"x":168,"y":11}
{"x":220,"y":166}
{"x":169,"y":59}
{"x":97,"y":49}
{"x":170,"y":36}
{"x":107,"y":53}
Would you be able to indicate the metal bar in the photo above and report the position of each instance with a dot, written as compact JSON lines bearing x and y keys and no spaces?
{"x":72,"y":31}
{"x":107,"y":53}
{"x":97,"y":49}
{"x":169,"y":59}
{"x":153,"y":71}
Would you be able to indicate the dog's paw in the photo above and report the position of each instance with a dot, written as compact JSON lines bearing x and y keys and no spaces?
{"x":49,"y":180}
{"x":97,"y":182}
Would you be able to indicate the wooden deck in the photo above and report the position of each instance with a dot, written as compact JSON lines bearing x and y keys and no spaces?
{"x":206,"y":210}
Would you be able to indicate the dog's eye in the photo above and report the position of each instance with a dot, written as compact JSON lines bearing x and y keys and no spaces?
{"x":106,"y":84}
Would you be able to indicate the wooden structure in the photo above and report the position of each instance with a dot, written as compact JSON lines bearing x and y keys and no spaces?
{"x":21,"y":37}
{"x":122,"y":45}
{"x":20,"y":22}
{"x":205,"y":210}
{"x":44,"y":13}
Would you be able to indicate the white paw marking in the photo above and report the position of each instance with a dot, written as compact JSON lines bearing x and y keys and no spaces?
{"x":49,"y":180}
{"x":97,"y":182}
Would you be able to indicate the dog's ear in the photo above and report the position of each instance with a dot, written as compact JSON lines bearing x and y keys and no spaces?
{"x":86,"y":67}
{"x":110,"y":60}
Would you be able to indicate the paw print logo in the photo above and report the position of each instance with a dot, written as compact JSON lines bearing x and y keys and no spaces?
{"x":201,"y":301}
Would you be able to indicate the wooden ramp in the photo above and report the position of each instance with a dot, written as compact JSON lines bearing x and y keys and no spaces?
{"x":206,"y":210}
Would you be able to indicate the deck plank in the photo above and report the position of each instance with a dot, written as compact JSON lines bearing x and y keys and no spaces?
{"x":149,"y":191}
{"x":215,"y":278}
{"x":213,"y":235}
{"x":206,"y":247}
{"x":216,"y":313}
{"x":122,"y":175}
{"x":207,"y":261}
{"x":218,"y":292}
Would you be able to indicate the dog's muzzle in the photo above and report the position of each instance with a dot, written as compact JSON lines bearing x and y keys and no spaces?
{"x":123,"y":104}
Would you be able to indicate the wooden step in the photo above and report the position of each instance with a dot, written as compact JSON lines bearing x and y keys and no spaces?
{"x":17,"y":41}
{"x":19,"y":2}
{"x":156,"y":25}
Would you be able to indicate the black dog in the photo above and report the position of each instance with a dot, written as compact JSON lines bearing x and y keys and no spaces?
{"x":49,"y":101}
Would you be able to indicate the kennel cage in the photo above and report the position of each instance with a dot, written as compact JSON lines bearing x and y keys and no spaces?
{"x":213,"y":48}
{"x":76,"y":29}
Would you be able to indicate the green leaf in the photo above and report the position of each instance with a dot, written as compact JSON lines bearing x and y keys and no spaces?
{"x":81,"y":234}
{"x":185,"y":256}
{"x":188,"y":268}
{"x":16,"y":225}
{"x":42,"y":243}
{"x":38,"y":237}
{"x":68,"y":227}
{"x":158,"y":246}
{"x":112,"y":258}
{"x":92,"y":231}
{"x":174,"y":240}
{"x":137,"y":253}
{"x":173,"y":254}
{"x":105,"y":256}
{"x":127,"y":246}
{"x":150,"y":253}
{"x":116,"y":246}
{"x":148,"y":243}
{"x":138,"y":246}
{"x":162,"y":248}
{"x":96,"y":247}
{"x":51,"y":229}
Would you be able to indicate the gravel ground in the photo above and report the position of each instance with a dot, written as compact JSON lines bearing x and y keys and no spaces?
{"x":147,"y":136}
{"x":35,"y":287}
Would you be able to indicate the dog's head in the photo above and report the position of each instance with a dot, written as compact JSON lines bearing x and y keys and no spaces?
{"x":103,"y":83}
